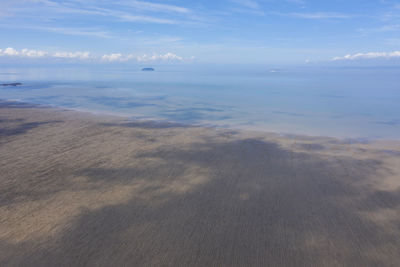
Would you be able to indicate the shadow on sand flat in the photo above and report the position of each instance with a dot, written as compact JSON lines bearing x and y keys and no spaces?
{"x":195,"y":198}
{"x":24,"y":127}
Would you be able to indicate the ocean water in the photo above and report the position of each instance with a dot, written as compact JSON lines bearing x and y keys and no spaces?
{"x":318,"y":101}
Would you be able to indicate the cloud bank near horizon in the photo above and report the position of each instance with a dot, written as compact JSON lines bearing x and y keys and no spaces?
{"x":369,"y":55}
{"x":79,"y":55}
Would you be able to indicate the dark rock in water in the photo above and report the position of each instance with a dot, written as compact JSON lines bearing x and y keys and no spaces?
{"x":147,"y":69}
{"x":11,"y":84}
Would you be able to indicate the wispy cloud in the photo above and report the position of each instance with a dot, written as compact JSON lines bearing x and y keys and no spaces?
{"x":393,"y":41}
{"x":134,"y":18}
{"x":127,"y":11}
{"x":64,"y":30}
{"x":247,"y":3}
{"x":383,"y":29}
{"x":391,"y":14}
{"x":246,"y":7}
{"x":3,"y":14}
{"x":369,"y":55}
{"x":316,"y":15}
{"x":155,"y":7}
{"x":77,"y":31}
{"x":248,"y":11}
{"x":300,"y":2}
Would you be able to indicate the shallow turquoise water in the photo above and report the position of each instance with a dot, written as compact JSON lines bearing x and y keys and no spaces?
{"x":346,"y":102}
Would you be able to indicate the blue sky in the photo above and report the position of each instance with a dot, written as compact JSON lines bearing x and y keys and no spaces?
{"x":219,"y":31}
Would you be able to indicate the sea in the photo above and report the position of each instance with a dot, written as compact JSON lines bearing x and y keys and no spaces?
{"x":343,"y":102}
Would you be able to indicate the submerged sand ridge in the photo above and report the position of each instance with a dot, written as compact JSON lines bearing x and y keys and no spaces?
{"x":84,"y":190}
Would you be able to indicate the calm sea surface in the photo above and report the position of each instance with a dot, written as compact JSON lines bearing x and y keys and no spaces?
{"x":346,"y":102}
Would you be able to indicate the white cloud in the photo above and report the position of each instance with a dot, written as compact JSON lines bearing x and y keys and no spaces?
{"x":170,"y":57}
{"x":32,"y":53}
{"x":9,"y":51}
{"x":77,"y":55}
{"x":118,"y":57}
{"x":155,"y":57}
{"x":113,"y":57}
{"x":369,"y":55}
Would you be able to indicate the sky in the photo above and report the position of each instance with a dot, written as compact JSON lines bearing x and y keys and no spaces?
{"x":204,"y":31}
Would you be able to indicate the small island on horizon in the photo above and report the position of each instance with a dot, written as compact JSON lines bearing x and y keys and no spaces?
{"x":11,"y":84}
{"x":148,"y":69}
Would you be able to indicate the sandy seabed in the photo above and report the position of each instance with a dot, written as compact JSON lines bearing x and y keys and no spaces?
{"x":84,"y":190}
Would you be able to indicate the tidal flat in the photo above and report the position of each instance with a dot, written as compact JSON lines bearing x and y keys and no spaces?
{"x":78,"y":189}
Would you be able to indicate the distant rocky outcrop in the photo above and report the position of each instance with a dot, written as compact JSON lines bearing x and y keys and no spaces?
{"x":147,"y":69}
{"x":11,"y":84}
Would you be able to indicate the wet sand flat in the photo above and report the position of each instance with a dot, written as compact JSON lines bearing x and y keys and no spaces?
{"x":84,"y":190}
